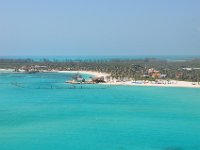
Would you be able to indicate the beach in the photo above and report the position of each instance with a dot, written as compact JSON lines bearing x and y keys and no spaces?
{"x":183,"y":84}
{"x":162,"y":83}
{"x":92,"y":73}
{"x":173,"y":83}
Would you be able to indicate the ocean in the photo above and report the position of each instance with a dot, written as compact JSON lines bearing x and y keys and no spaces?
{"x":40,"y":112}
{"x":64,"y":58}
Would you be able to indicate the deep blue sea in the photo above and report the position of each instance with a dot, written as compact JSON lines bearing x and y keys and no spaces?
{"x":41,"y":112}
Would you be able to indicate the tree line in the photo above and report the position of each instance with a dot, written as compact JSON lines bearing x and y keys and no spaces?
{"x":188,"y":70}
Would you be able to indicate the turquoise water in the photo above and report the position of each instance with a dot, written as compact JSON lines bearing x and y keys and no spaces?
{"x":40,"y":112}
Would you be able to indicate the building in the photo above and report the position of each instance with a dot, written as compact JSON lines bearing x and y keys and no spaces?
{"x":154,"y":73}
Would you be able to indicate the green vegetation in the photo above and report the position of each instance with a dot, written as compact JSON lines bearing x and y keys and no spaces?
{"x":118,"y":68}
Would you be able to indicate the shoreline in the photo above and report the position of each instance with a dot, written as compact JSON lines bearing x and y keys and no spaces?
{"x":178,"y":84}
{"x":92,"y":73}
{"x":175,"y":83}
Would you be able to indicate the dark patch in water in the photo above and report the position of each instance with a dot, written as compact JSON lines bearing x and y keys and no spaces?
{"x":174,"y":148}
{"x":121,"y":148}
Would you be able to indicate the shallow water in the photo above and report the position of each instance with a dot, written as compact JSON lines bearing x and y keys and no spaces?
{"x":40,"y":112}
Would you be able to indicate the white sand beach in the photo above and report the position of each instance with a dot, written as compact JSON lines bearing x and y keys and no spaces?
{"x":6,"y":70}
{"x":183,"y":84}
{"x":162,"y":83}
{"x":92,"y":73}
{"x":173,"y":83}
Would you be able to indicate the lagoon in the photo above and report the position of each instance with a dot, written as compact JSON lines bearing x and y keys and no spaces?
{"x":39,"y":111}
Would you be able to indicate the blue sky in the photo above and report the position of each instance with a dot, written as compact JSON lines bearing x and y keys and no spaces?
{"x":99,"y":27}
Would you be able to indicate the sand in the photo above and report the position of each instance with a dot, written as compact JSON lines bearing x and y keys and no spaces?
{"x":92,"y":73}
{"x":183,"y":84}
{"x":174,"y":83}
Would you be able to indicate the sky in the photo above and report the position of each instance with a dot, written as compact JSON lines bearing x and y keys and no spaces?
{"x":99,"y":27}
